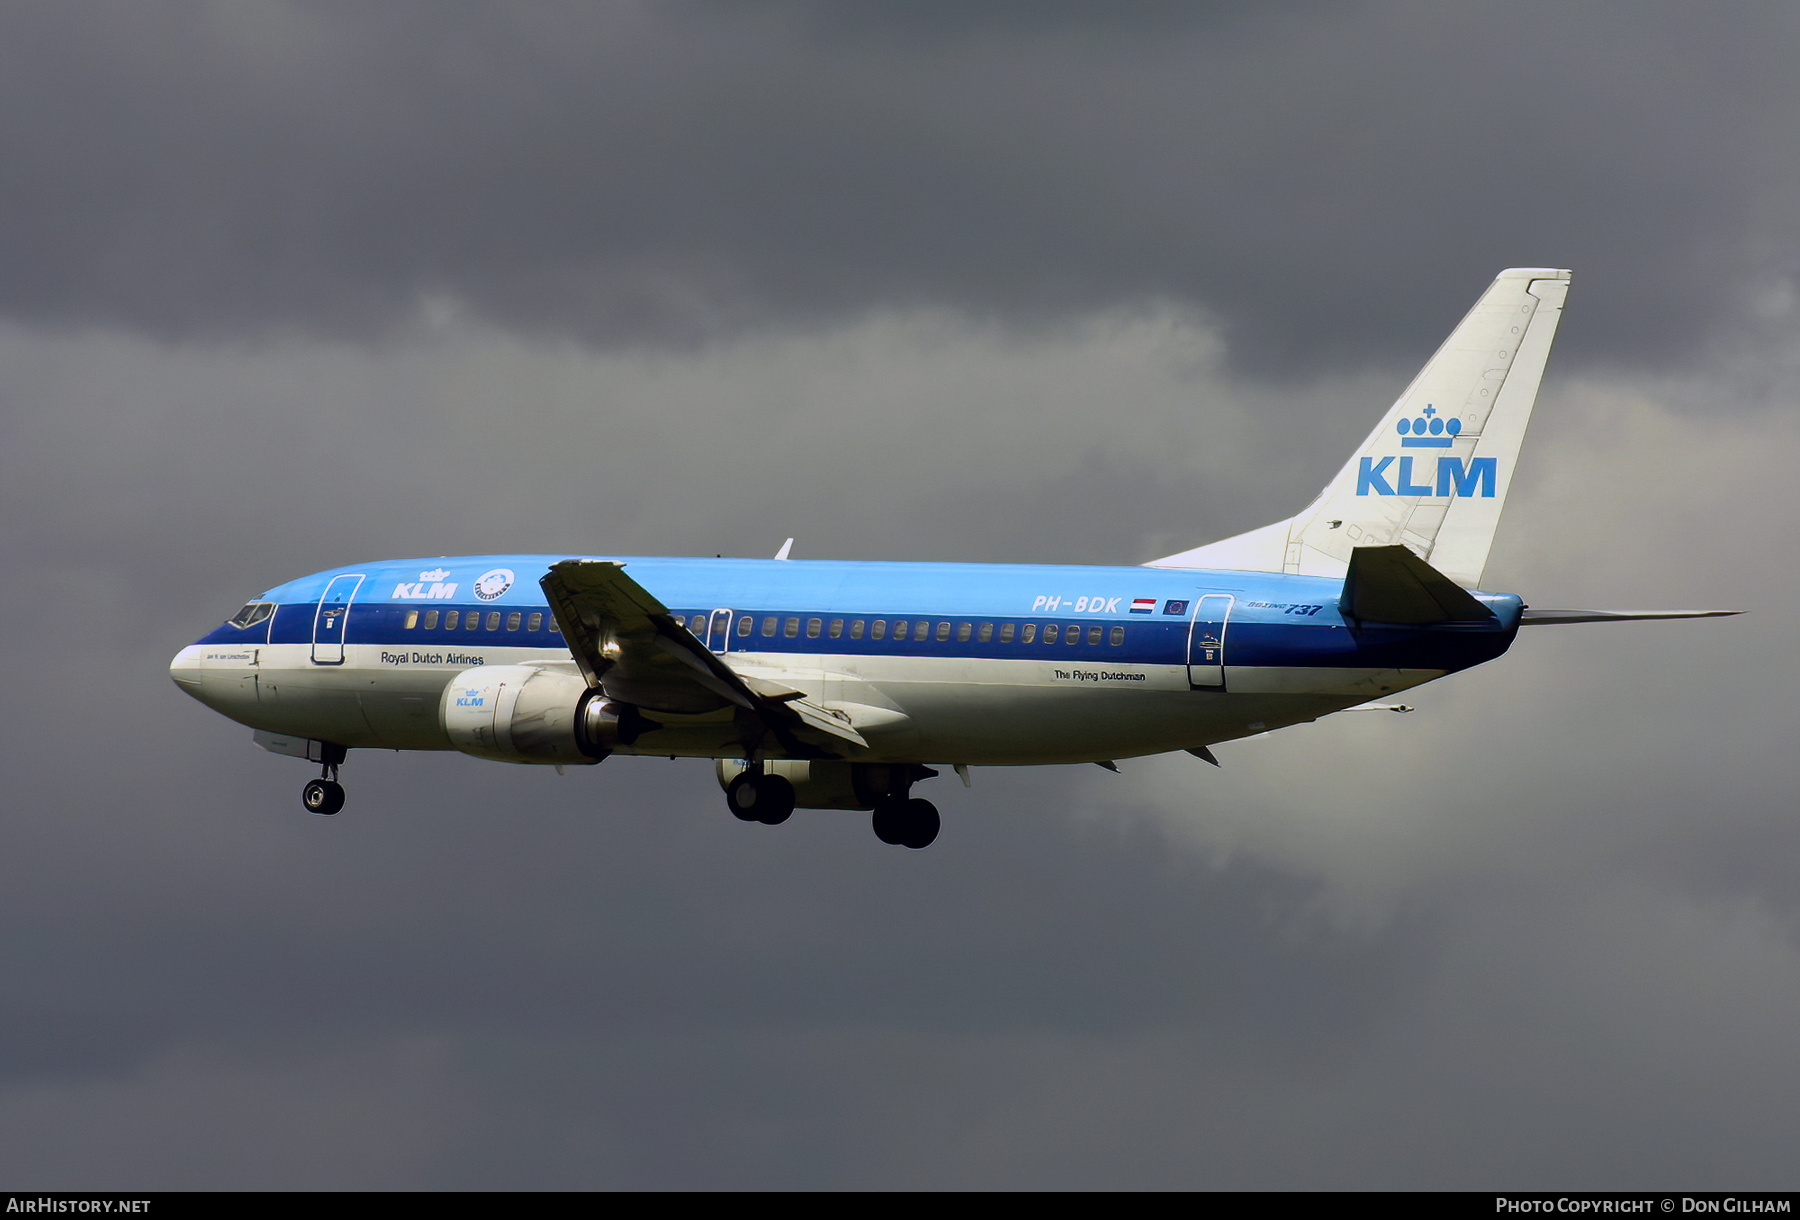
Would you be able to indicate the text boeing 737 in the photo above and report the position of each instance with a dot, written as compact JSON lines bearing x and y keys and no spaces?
{"x":834,"y":685}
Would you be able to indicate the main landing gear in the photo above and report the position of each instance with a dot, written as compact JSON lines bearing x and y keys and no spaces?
{"x":325,"y":794}
{"x":767,"y":792}
{"x":906,"y":821}
{"x":756,"y":796}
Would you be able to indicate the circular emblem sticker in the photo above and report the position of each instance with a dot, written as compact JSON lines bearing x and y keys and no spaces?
{"x":490,"y":585}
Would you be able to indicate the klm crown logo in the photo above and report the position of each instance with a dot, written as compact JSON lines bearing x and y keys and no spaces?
{"x":1429,"y":431}
{"x":1452,"y":476}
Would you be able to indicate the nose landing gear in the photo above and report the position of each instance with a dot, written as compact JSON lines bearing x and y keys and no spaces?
{"x":322,"y":796}
{"x":325,"y":795}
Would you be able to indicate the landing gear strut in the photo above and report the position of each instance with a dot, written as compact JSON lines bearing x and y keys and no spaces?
{"x":756,"y":796}
{"x":325,"y":794}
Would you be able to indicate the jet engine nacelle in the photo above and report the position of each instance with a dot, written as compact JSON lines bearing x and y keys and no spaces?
{"x":524,"y":714}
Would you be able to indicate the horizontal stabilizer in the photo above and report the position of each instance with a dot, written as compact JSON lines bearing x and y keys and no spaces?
{"x":1390,"y":584}
{"x":1545,"y":618}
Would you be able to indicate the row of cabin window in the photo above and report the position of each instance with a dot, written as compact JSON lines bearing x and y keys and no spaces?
{"x":472,"y":622}
{"x":878,"y":630}
{"x":921,"y":630}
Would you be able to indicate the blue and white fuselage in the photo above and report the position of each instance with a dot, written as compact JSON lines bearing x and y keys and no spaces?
{"x":944,"y":663}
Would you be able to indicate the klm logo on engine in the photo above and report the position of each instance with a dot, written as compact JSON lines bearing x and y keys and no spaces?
{"x":1451,"y":475}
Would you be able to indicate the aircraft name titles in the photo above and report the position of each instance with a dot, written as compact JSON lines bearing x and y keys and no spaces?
{"x":464,"y":659}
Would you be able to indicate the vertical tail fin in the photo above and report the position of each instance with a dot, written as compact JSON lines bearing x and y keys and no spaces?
{"x":1434,"y":474}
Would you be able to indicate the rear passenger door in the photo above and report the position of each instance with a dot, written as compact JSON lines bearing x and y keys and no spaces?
{"x":1206,"y":642}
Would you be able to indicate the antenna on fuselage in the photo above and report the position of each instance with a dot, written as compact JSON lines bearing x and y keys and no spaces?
{"x":785,"y":548}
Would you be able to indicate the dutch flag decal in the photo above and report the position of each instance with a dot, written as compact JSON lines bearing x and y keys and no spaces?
{"x":1143,"y":605}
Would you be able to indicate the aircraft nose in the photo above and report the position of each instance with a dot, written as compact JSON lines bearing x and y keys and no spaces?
{"x":185,"y":669}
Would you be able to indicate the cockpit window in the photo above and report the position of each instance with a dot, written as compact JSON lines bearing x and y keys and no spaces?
{"x":252,"y":614}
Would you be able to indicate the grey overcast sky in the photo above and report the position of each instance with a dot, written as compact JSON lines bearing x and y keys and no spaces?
{"x":290,"y":285}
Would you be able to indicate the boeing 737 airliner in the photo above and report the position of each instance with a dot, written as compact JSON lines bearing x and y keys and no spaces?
{"x":837,"y":685}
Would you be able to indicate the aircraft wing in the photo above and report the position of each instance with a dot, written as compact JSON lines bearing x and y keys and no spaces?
{"x":628,"y":644}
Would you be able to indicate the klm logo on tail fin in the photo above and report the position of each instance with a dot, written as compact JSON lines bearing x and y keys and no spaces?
{"x":1452,"y":476}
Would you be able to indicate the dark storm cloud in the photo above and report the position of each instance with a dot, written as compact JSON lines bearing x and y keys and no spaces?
{"x":1325,"y":180}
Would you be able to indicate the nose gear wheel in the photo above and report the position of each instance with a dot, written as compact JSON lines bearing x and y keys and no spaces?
{"x":325,"y":795}
{"x":322,"y":796}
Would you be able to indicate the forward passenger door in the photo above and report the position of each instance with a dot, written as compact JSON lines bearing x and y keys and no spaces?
{"x":718,"y":631}
{"x":332,"y":616}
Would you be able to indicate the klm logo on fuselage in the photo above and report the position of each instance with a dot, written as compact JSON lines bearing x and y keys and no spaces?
{"x":1452,"y":476}
{"x":430,"y":586}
